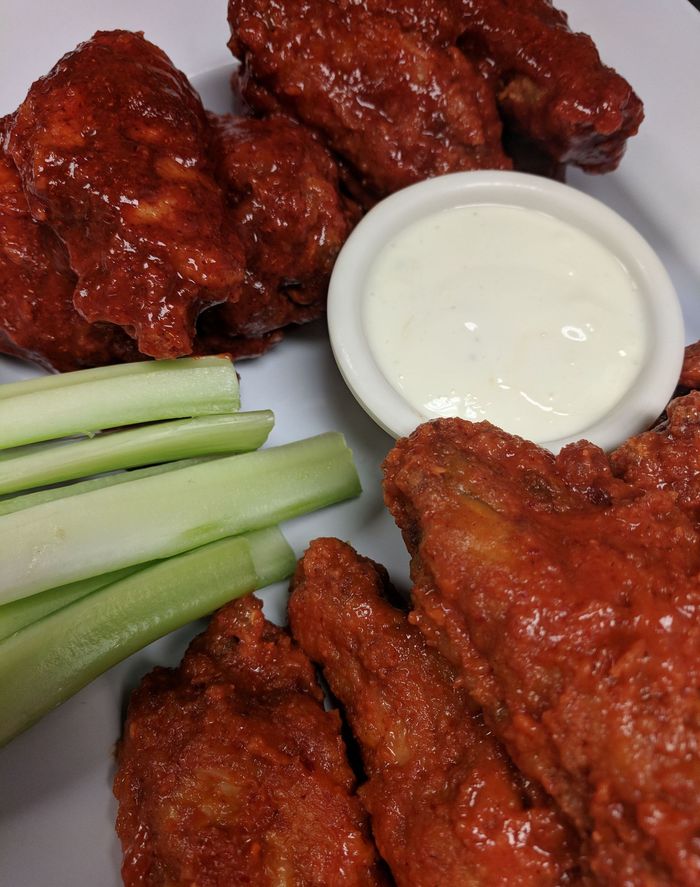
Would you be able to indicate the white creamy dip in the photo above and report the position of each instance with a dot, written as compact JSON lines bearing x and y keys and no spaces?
{"x":507,"y":314}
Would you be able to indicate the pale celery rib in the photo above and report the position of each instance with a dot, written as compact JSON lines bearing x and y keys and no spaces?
{"x":113,"y":397}
{"x":161,"y":442}
{"x":70,"y":539}
{"x":37,"y":497}
{"x":47,"y":662}
{"x":112,"y":371}
{"x":18,"y":614}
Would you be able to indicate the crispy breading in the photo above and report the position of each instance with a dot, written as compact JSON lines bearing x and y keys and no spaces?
{"x":668,"y":456}
{"x":230,"y":771}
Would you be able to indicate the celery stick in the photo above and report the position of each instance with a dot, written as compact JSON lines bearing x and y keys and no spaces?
{"x":161,"y":442}
{"x":169,"y":389}
{"x":105,"y":529}
{"x":52,"y":382}
{"x":42,"y":447}
{"x":47,"y":662}
{"x":26,"y":610}
{"x":28,"y":500}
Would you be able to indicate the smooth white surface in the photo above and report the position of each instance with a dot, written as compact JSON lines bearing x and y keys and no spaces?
{"x":56,"y":809}
{"x":495,"y":312}
{"x":655,"y":380}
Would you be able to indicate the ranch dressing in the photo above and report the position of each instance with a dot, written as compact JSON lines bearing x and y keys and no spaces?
{"x":507,"y":314}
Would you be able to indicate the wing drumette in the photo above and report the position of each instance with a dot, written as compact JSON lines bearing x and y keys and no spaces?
{"x":230,"y":772}
{"x":446,"y":805}
{"x":37,"y":319}
{"x":396,"y":108}
{"x":112,"y":148}
{"x":568,"y":600}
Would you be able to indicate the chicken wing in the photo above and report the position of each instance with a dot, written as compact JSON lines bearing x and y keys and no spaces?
{"x":690,"y":372}
{"x":395,"y":107}
{"x":37,"y":319}
{"x":551,"y":86}
{"x":550,"y":83}
{"x":284,"y":198}
{"x":668,"y":456}
{"x":446,"y":805}
{"x":230,"y":772}
{"x":112,"y":148}
{"x":569,"y":604}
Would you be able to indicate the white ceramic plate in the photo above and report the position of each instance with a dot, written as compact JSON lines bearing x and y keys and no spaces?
{"x":56,"y":807}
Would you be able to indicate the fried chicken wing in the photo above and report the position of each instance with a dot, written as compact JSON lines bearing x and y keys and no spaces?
{"x":690,"y":372}
{"x":37,"y":319}
{"x":550,"y":83}
{"x":283,"y":192}
{"x":397,"y":108}
{"x":446,"y":805}
{"x":230,"y":772}
{"x":112,"y":148}
{"x":569,"y":603}
{"x":668,"y":456}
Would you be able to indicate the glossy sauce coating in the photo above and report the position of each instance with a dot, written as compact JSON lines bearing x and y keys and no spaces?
{"x":37,"y":319}
{"x":447,"y":807}
{"x":284,"y":201}
{"x":568,"y":599}
{"x":667,"y":457}
{"x":395,"y":107}
{"x":550,"y":83}
{"x":231,"y":773}
{"x":112,"y":148}
{"x":551,"y":86}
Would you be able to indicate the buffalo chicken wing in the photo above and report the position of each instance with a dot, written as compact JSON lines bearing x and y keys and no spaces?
{"x":230,"y":772}
{"x":113,"y":150}
{"x":447,"y":807}
{"x":284,"y":201}
{"x":568,"y":600}
{"x":395,"y":107}
{"x":37,"y":319}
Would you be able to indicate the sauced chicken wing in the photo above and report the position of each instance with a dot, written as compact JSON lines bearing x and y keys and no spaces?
{"x":668,"y":456}
{"x":690,"y":372}
{"x":551,"y":86}
{"x":37,"y":319}
{"x":112,"y":148}
{"x":446,"y":805}
{"x":395,"y":107}
{"x":284,"y":198}
{"x":230,"y":772}
{"x":569,"y":604}
{"x":550,"y":83}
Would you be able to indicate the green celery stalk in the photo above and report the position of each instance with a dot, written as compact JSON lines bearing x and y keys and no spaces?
{"x":113,"y":527}
{"x":51,"y":382}
{"x":47,"y":662}
{"x":154,"y":390}
{"x":161,"y":442}
{"x":28,"y":500}
{"x":26,"y":610}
